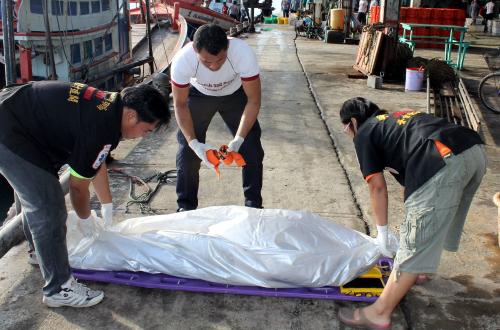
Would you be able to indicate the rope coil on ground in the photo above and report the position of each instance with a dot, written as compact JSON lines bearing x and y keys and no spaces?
{"x":144,"y":199}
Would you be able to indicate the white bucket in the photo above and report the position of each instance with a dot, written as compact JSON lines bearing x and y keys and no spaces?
{"x":414,"y":79}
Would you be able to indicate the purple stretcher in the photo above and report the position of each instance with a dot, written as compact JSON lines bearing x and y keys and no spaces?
{"x":167,"y":282}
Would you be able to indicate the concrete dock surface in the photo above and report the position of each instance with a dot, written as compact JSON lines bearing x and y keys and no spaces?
{"x":309,"y":164}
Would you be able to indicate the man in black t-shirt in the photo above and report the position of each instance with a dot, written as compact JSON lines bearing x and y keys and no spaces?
{"x":44,"y":125}
{"x":440,"y":165}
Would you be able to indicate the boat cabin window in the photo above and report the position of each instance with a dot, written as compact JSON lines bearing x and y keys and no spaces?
{"x":36,"y":6}
{"x":98,"y":46}
{"x":75,"y":54}
{"x":72,"y":8}
{"x":108,"y":42}
{"x":96,"y":6}
{"x":87,"y":49}
{"x":57,"y":7}
{"x":84,"y":8}
{"x":105,"y":5}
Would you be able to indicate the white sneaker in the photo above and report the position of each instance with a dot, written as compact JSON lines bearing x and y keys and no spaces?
{"x":74,"y":294}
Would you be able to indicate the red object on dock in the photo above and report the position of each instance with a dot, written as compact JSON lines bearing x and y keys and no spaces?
{"x":25,"y":64}
{"x":175,"y":24}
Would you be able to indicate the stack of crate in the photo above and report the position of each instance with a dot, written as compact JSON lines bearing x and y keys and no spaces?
{"x":439,"y":16}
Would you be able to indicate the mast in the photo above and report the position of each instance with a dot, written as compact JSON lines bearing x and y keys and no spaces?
{"x":8,"y":42}
{"x":148,"y":35}
{"x":48,"y":40}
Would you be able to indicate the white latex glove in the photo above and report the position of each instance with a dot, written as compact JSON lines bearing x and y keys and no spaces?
{"x":107,"y":214}
{"x":200,"y":149}
{"x":382,"y":241}
{"x":87,"y":226}
{"x":235,"y":143}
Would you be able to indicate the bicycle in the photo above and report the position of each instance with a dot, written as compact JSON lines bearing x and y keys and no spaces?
{"x":489,"y":87}
{"x":306,"y":27}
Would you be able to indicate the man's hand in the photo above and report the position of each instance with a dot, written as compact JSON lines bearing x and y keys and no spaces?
{"x":235,"y":144}
{"x":382,"y":241}
{"x":107,"y":214}
{"x":200,"y":149}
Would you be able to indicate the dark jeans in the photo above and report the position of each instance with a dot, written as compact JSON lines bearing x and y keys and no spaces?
{"x":203,"y":108}
{"x":362,"y":18}
{"x":286,"y":12}
{"x":487,"y":17}
{"x":44,"y":216}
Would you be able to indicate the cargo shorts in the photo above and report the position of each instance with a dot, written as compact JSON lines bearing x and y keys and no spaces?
{"x":435,"y":213}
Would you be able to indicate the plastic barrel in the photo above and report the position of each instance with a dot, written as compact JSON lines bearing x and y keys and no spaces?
{"x":337,"y":19}
{"x":372,"y":15}
{"x":375,"y":14}
{"x":414,"y":79}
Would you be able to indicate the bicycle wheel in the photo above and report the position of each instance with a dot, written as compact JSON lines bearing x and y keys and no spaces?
{"x":489,"y":91}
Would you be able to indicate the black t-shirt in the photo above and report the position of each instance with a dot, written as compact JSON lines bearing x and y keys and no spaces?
{"x":52,"y":123}
{"x":403,"y":143}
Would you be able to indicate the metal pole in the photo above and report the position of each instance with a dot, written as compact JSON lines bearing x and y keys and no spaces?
{"x":11,"y":233}
{"x":8,"y":42}
{"x":148,"y":35}
{"x":48,"y":40}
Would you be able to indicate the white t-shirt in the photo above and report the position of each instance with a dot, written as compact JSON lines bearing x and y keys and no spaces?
{"x":363,"y":6}
{"x":489,"y":7}
{"x":241,"y":64}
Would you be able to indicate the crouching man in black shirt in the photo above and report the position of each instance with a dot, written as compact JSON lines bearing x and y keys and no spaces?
{"x":44,"y":125}
{"x":440,"y":165}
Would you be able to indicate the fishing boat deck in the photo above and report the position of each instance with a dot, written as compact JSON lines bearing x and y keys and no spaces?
{"x":164,"y":41}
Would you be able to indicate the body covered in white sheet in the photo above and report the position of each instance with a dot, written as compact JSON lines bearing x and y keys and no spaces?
{"x":230,"y":245}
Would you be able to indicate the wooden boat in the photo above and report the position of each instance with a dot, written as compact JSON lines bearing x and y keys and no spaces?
{"x":92,"y":42}
{"x":192,"y":11}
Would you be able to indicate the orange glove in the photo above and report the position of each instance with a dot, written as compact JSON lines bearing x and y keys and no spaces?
{"x":228,"y":157}
{"x":214,"y":159}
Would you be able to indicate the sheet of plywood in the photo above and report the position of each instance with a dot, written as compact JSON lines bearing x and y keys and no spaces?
{"x":368,"y":52}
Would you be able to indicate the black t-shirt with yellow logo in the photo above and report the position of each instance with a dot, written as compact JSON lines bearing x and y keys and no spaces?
{"x":52,"y":123}
{"x":404,"y":144}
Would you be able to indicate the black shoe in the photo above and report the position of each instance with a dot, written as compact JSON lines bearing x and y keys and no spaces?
{"x":181,"y":209}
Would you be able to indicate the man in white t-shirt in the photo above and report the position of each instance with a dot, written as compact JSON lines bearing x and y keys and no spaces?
{"x":362,"y":9}
{"x":490,"y":14}
{"x":216,"y":74}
